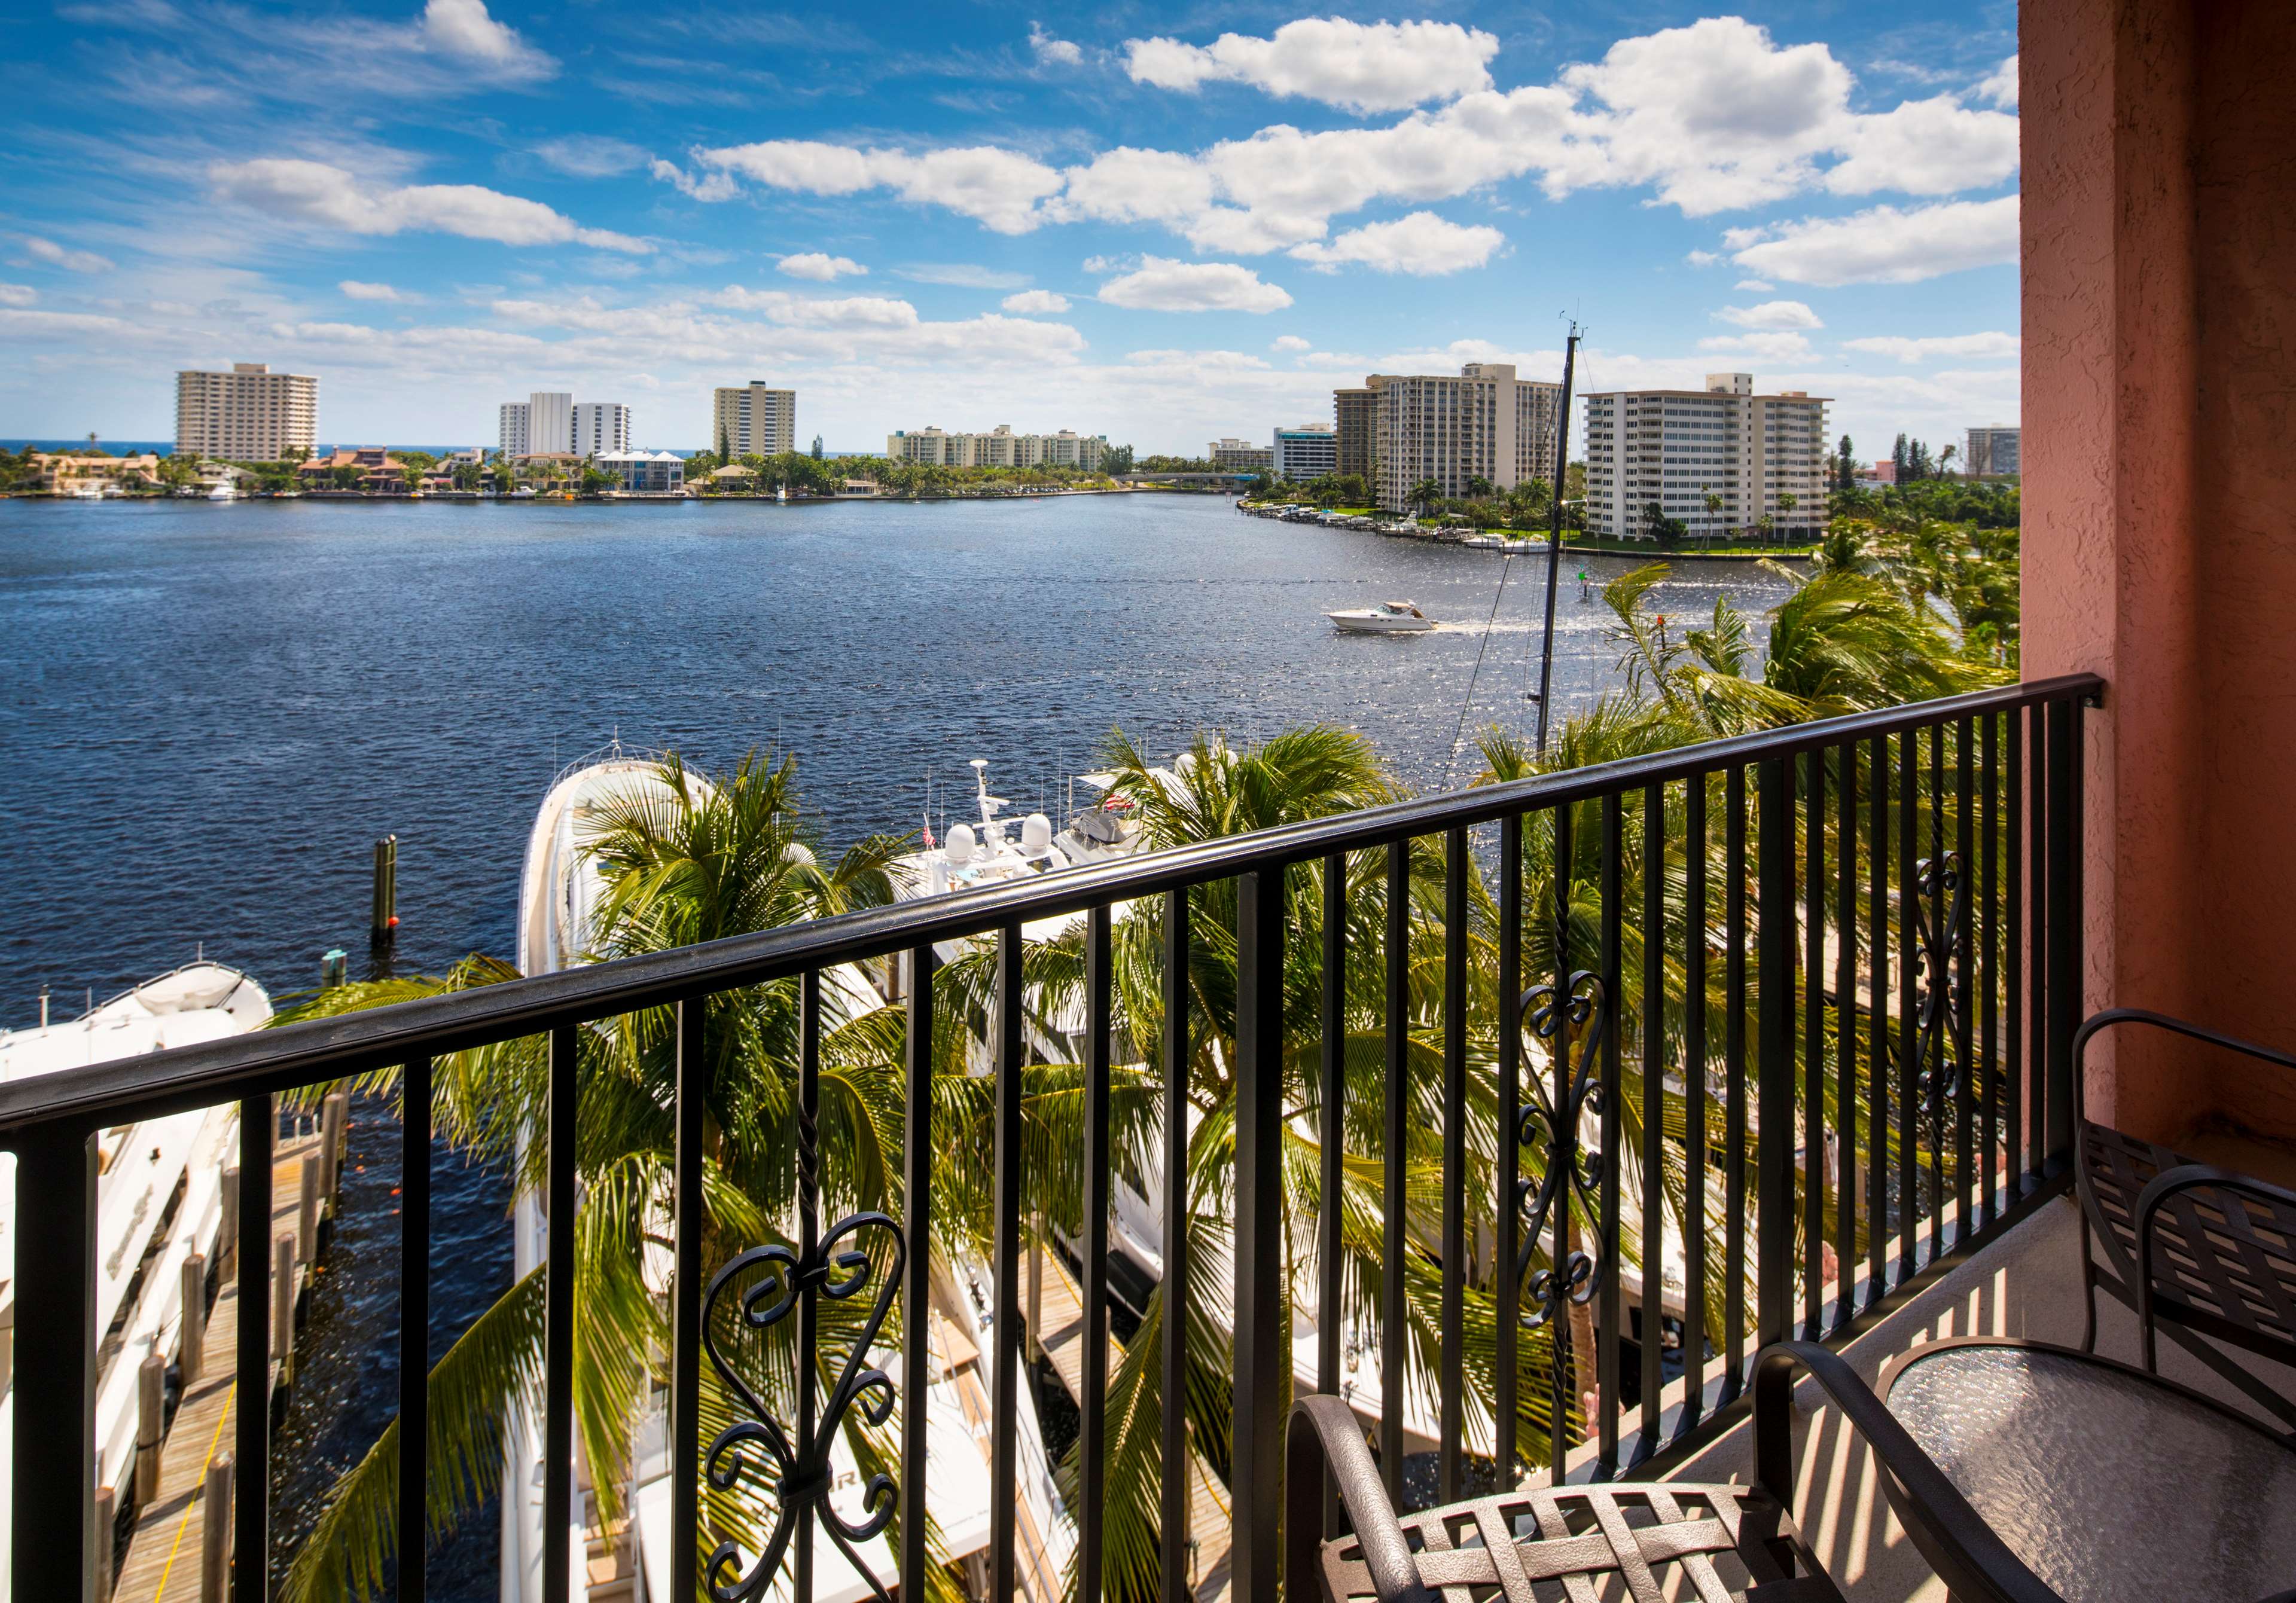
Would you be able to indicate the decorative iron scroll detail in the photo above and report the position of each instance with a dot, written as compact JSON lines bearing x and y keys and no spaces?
{"x":1940,"y":897}
{"x":800,"y":1472}
{"x":1555,"y":1018}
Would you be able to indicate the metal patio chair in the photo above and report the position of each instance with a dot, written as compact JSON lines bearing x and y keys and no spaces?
{"x":2217,"y":1249}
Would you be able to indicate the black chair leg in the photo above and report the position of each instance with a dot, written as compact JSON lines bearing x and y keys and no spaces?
{"x":2088,"y":1287}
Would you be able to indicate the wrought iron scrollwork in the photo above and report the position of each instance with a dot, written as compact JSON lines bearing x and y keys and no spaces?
{"x":1558,"y":1019}
{"x":1941,"y":897}
{"x":799,"y":1470}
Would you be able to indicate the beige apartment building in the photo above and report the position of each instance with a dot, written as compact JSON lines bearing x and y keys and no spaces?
{"x":1000,"y":448}
{"x":1756,"y":456}
{"x":248,"y":414}
{"x":755,"y":420}
{"x":1356,"y":413}
{"x":1483,"y":423}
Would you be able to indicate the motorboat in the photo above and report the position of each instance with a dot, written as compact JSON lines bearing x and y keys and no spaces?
{"x":158,"y":1188}
{"x":223,"y":492}
{"x":1388,"y":617}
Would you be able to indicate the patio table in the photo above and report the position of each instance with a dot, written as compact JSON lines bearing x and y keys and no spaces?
{"x":2108,"y":1483}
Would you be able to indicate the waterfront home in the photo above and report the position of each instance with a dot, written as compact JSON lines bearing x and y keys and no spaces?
{"x":62,"y":472}
{"x":733,"y":476}
{"x":645,"y":472}
{"x":375,"y":471}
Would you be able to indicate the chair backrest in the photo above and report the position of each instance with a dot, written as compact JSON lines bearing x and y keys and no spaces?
{"x":2219,"y":1254}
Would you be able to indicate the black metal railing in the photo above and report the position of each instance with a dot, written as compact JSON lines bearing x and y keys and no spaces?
{"x":1725,"y":921}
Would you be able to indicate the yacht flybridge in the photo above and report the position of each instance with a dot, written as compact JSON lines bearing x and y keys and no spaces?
{"x":158,"y":1187}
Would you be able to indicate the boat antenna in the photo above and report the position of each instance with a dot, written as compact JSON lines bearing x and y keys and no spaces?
{"x":1507,"y":566}
{"x":1554,"y":532}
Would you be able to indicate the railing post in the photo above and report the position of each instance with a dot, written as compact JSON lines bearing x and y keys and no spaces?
{"x":685,"y":1306}
{"x":1774,"y":937}
{"x":2064,"y":923}
{"x":1173,"y":1515}
{"x":54,"y":1502}
{"x":413,"y":1324}
{"x":916,"y":1296}
{"x":1263,"y":1314}
{"x":251,"y":1505}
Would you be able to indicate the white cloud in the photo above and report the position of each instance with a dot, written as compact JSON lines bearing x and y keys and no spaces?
{"x":1884,"y":245}
{"x":821,"y":267}
{"x":1771,"y":315}
{"x":44,"y":323}
{"x":1291,"y":342}
{"x":590,"y":155}
{"x":1162,"y":285}
{"x":358,"y":290}
{"x":1037,"y":300}
{"x":1703,"y":259}
{"x":463,"y":29}
{"x":1053,"y":52}
{"x":1110,"y":263}
{"x":1421,"y":244}
{"x":50,"y":254}
{"x":17,"y":295}
{"x":999,"y":189}
{"x":1756,"y":285}
{"x":1926,"y":147}
{"x":963,"y":275}
{"x":709,"y":186}
{"x":320,"y":195}
{"x":1376,"y":67}
{"x":2000,"y":86}
{"x":1775,"y":346}
{"x":1923,"y":349}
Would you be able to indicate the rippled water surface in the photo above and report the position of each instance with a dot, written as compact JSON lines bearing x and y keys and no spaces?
{"x":211,"y":712}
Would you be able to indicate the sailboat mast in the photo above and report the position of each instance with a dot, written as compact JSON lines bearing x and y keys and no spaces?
{"x":1554,"y":532}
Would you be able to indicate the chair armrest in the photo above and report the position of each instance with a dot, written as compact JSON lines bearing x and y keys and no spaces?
{"x":1972,"y":1561}
{"x":2096,"y":1023}
{"x":1325,"y":1435}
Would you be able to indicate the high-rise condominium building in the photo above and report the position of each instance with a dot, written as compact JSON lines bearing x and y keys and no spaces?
{"x":1992,"y":451}
{"x":601,"y":429}
{"x":755,"y":420}
{"x":248,"y":414}
{"x":1239,"y":457}
{"x":541,"y":425}
{"x":1485,"y":424}
{"x":1307,"y":452}
{"x":1357,"y":416}
{"x":1719,"y":460}
{"x":1000,"y":447}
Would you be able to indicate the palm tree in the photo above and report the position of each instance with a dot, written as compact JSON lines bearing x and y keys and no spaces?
{"x":711,"y":861}
{"x":1713,"y":511}
{"x":1787,"y":502}
{"x":1425,"y":494}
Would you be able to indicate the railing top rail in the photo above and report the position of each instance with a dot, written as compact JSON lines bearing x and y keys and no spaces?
{"x":324,"y":1049}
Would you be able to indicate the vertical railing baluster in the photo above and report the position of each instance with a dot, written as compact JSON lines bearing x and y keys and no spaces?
{"x":53,"y":1495}
{"x":558,"y":1321}
{"x":1652,"y":1379}
{"x":1813,"y":1046}
{"x":1964,"y":963}
{"x":2041,"y":971}
{"x":1845,"y":1039}
{"x":686,"y":1281}
{"x":1507,"y":1293}
{"x":1332,"y":1127}
{"x":808,"y":1225}
{"x":2012,"y":955}
{"x":1005,"y":1324}
{"x":1693,"y":1121}
{"x":1392,"y":1377}
{"x":1609,"y":1314}
{"x":259,"y":1131}
{"x":1092,"y":1424}
{"x":1988,"y":977}
{"x":1562,"y":1390}
{"x":917,"y":1158}
{"x":1877,"y":1010}
{"x":1909,"y":1167}
{"x":1774,"y":1056}
{"x":1937,"y":978}
{"x":1263,"y":1311}
{"x":2066,"y":801}
{"x":1734,"y":1069}
{"x":1451,"y":1388}
{"x":414,"y":1322}
{"x":1173,"y":1517}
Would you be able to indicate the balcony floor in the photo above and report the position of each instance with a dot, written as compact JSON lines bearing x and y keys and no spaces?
{"x":2027,"y":1284}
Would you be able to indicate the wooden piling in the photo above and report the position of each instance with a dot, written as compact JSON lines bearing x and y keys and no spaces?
{"x":307,"y":1215}
{"x":386,"y":887}
{"x":190,"y":1348}
{"x":107,"y":1521}
{"x":215,"y":1533}
{"x":283,"y":1301}
{"x":150,"y":1418}
{"x":227,"y":1232}
{"x":334,"y":1119}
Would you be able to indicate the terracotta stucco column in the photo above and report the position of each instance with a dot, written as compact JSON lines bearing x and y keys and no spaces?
{"x":2159,"y":512}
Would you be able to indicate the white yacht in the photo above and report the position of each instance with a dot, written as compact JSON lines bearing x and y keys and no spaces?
{"x":158,"y":1190}
{"x":223,"y":492}
{"x":1388,"y":617}
{"x":561,"y":893}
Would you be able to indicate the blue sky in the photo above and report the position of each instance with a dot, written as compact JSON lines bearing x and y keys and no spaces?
{"x":1161,"y":223}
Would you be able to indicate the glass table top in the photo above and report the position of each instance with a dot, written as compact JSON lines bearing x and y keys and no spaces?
{"x":2112,"y":1489}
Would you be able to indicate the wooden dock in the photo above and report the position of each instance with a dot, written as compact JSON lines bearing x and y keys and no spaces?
{"x":163,"y":1559}
{"x":1059,"y":1307}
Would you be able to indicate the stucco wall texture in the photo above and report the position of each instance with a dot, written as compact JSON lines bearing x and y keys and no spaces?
{"x":2160,"y":502}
